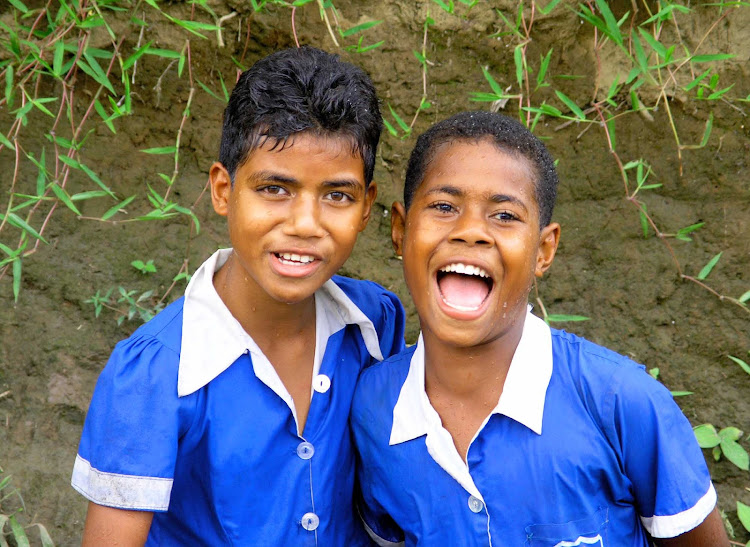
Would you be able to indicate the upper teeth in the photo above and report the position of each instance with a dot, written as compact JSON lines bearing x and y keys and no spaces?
{"x":296,"y":258}
{"x":466,"y":269}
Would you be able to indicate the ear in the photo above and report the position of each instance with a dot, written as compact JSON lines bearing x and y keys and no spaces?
{"x":548,"y":240}
{"x":398,"y":226}
{"x":370,"y":194}
{"x":221,"y":187}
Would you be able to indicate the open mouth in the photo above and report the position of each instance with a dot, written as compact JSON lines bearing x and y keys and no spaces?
{"x":464,"y":287}
{"x":292,"y":259}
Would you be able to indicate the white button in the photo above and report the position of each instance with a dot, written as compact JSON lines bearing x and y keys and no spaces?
{"x":310,"y":521}
{"x":475,"y":504}
{"x":305,"y":450}
{"x":321,"y":383}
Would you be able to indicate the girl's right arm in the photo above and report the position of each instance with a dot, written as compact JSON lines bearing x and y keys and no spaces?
{"x":108,"y":526}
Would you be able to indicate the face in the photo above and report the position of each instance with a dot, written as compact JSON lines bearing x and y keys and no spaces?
{"x":293,"y":215}
{"x":472,"y":245}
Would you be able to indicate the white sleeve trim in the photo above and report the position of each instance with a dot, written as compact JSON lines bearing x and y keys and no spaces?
{"x":121,"y":491}
{"x":381,"y":542}
{"x":669,"y":526}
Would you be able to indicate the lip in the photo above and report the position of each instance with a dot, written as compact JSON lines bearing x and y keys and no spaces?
{"x":456,"y":313}
{"x":286,"y":268}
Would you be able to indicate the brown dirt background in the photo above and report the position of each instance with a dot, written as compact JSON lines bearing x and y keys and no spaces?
{"x":52,"y":347}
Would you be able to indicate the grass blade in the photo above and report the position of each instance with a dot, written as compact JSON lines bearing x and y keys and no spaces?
{"x":708,"y":267}
{"x":114,"y":210}
{"x":570,"y":104}
{"x":741,"y":363}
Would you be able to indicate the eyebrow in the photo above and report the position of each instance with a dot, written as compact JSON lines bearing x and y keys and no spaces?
{"x":272,"y":176}
{"x":495,"y":198}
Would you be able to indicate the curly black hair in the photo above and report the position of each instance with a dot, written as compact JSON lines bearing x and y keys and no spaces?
{"x":300,"y":90}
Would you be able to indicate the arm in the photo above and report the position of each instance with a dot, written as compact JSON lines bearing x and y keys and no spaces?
{"x":107,"y":526}
{"x":709,"y":533}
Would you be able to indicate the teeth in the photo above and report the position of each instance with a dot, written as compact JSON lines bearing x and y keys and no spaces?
{"x":295,"y":258}
{"x":466,"y":269}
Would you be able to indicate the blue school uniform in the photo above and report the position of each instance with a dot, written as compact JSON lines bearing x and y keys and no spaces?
{"x":584,"y":448}
{"x":190,"y":420}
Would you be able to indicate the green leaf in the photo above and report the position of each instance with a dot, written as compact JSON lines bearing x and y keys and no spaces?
{"x":20,"y":223}
{"x":708,"y":267}
{"x":707,"y":131}
{"x":706,"y":435}
{"x":644,"y":220}
{"x":519,"y":62}
{"x":390,"y":128}
{"x":91,"y":194}
{"x":680,"y":393}
{"x":5,"y":142}
{"x":743,"y":513}
{"x":160,"y":150}
{"x":58,"y":58}
{"x":20,"y":6}
{"x":493,"y":84}
{"x":19,"y":534}
{"x":739,"y":361}
{"x":735,"y":454}
{"x":730,"y":434}
{"x":63,"y":196}
{"x":543,"y":66}
{"x":570,"y":104}
{"x":549,"y":7}
{"x":113,"y":210}
{"x":401,"y":123}
{"x":715,"y":57}
{"x":716,"y":451}
{"x":130,"y":61}
{"x":98,"y":76}
{"x":612,"y":26}
{"x":17,"y":266}
{"x":360,"y":28}
{"x":657,"y":46}
{"x":682,"y":233}
{"x":745,"y":297}
{"x":166,"y":53}
{"x":45,"y":537}
{"x":559,"y":318}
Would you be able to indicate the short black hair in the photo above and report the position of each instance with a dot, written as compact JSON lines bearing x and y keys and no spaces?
{"x":300,"y":90}
{"x":509,"y":135}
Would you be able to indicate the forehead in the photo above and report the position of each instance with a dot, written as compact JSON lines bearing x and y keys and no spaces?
{"x":479,"y":168}
{"x":305,"y":146}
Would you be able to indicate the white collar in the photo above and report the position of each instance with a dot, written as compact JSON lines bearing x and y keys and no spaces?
{"x":522,"y":399}
{"x":212,"y":339}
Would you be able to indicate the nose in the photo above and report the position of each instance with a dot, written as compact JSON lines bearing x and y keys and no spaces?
{"x":304,"y":218}
{"x":471,"y":228}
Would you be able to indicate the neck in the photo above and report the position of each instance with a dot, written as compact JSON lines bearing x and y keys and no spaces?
{"x":265,"y":319}
{"x":468,"y":372}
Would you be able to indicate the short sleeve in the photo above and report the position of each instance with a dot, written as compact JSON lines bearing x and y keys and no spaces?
{"x":126,"y":457}
{"x":671,"y":483}
{"x":392,"y":324}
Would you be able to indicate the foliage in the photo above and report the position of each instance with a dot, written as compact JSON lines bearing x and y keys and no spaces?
{"x":723,"y":442}
{"x":10,"y":523}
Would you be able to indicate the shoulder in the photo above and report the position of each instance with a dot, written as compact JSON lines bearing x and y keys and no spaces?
{"x":366,"y":295}
{"x":596,"y":366}
{"x":379,"y":385}
{"x":152,"y":352}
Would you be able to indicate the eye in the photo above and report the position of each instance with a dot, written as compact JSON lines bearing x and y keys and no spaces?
{"x":443,"y":207}
{"x":505,"y":216}
{"x":339,"y":197}
{"x":273,"y":190}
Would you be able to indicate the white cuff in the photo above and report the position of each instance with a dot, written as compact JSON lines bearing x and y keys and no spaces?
{"x":669,"y":526}
{"x":121,"y":491}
